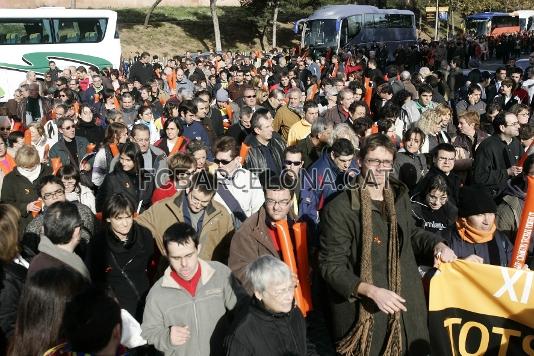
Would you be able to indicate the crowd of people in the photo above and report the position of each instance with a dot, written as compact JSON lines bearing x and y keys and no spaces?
{"x":145,"y":210}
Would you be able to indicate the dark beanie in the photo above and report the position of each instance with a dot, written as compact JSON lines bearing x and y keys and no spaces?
{"x":475,"y":201}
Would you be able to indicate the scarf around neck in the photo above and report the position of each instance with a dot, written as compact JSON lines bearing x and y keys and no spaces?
{"x":474,"y":236}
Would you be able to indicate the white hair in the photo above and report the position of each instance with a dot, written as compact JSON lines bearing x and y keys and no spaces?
{"x":267,"y":270}
{"x":344,"y":130}
{"x":405,"y":75}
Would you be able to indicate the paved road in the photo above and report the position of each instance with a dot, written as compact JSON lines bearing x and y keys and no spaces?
{"x":493,"y":64}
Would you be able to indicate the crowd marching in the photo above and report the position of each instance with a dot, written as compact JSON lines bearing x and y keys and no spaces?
{"x":256,"y":203}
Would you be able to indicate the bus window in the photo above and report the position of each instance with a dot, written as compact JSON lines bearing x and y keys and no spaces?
{"x":399,"y":21}
{"x":369,"y":21}
{"x":380,"y":21}
{"x":80,"y":30}
{"x":504,"y":21}
{"x":354,"y":25}
{"x":24,"y":31}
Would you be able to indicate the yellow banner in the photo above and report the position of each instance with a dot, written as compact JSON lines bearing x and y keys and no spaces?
{"x":478,"y":309}
{"x":484,"y":289}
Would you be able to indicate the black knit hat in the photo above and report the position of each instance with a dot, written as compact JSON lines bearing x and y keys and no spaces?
{"x":475,"y":201}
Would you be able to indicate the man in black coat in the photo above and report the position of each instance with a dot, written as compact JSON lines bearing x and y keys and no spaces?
{"x":443,"y":157}
{"x":142,"y":70}
{"x":496,"y":157}
{"x":242,"y":128}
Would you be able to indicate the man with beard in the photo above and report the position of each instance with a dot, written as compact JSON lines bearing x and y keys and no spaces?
{"x":289,"y":114}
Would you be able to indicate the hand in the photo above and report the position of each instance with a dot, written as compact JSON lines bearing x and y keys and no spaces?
{"x":460,"y":153}
{"x":179,"y":335}
{"x":514,"y":171}
{"x":32,"y":207}
{"x":85,"y":167}
{"x":442,"y":253}
{"x":295,"y":278}
{"x":387,"y":301}
{"x":475,"y":259}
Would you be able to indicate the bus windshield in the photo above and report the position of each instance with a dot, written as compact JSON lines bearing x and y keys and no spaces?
{"x":478,"y":27}
{"x":321,"y":33}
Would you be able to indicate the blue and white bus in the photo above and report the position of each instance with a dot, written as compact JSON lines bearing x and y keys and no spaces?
{"x":490,"y":24}
{"x":29,"y":38}
{"x":344,"y":26}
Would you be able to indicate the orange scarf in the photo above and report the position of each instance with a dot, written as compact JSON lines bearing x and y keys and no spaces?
{"x":7,"y":164}
{"x":472,"y":235}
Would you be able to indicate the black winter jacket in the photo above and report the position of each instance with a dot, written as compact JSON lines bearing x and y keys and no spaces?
{"x":128,"y":184}
{"x":91,"y":131}
{"x":123,"y":266}
{"x":256,"y":159}
{"x":12,"y":277}
{"x":492,"y":158}
{"x":259,"y":332}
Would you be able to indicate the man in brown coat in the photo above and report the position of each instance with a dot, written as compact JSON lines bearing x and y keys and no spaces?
{"x":257,"y":235}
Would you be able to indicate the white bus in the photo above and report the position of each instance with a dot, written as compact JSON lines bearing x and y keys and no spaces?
{"x":525,"y":19}
{"x":29,"y":38}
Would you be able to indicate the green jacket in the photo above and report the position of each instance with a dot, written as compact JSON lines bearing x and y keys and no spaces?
{"x":339,"y":263}
{"x":168,"y":304}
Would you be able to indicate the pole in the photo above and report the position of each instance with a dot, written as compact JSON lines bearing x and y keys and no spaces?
{"x":448,"y":25}
{"x":452,"y":21}
{"x":436,"y":36}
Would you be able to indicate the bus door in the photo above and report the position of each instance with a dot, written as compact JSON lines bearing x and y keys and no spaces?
{"x":350,"y":29}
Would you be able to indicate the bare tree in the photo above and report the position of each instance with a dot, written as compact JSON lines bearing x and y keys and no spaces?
{"x":276,"y":5}
{"x":154,"y":5}
{"x":216,"y":30}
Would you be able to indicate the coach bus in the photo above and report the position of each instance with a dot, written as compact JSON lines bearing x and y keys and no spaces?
{"x":525,"y":19}
{"x":345,"y":26}
{"x":31,"y":38}
{"x":490,"y":24}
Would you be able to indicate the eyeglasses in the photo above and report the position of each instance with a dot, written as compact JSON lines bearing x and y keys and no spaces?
{"x":281,"y":203}
{"x":292,"y":163}
{"x":5,"y":128}
{"x":56,"y":194}
{"x":513,"y":124}
{"x":281,"y":292}
{"x":224,"y":162}
{"x":386,"y":163}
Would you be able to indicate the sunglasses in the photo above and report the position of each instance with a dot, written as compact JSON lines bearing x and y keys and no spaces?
{"x":249,"y":96}
{"x":5,"y":128}
{"x":292,"y":163}
{"x":221,"y":161}
{"x":68,"y":127}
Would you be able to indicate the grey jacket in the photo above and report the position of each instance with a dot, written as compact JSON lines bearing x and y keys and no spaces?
{"x":168,"y":304}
